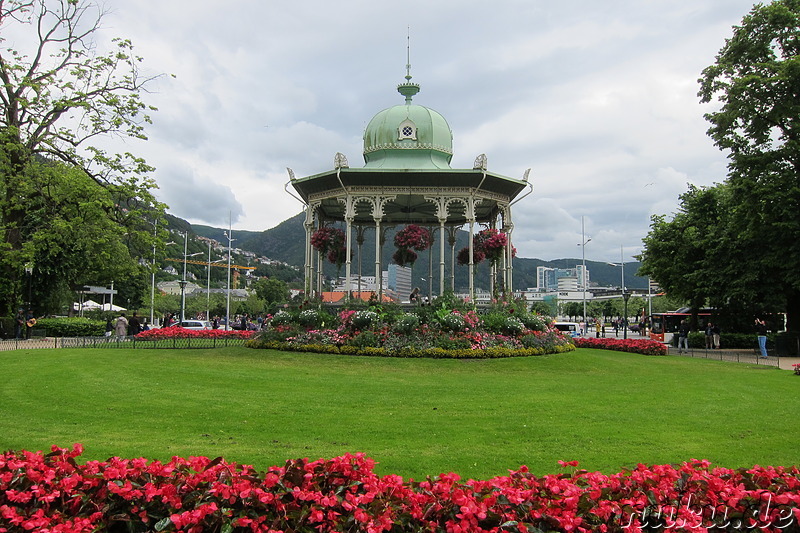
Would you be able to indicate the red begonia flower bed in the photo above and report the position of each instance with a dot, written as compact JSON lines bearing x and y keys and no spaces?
{"x":643,"y":346}
{"x":177,"y":332}
{"x":54,"y":493}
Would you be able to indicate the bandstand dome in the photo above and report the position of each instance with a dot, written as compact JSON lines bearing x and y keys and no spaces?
{"x":408,"y":136}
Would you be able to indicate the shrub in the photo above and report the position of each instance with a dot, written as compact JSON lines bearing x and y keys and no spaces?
{"x":72,"y":327}
{"x":494,"y":322}
{"x":406,"y":324}
{"x":502,"y":323}
{"x":363,"y":319}
{"x":276,"y":333}
{"x":534,"y":322}
{"x":447,"y":342}
{"x":365,"y":339}
{"x":452,"y":322}
{"x":309,"y":318}
{"x":282,"y":318}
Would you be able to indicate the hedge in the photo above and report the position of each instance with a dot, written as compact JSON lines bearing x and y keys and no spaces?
{"x":72,"y":327}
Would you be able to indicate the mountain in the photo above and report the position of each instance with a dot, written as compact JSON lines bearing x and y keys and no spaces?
{"x":286,"y":241}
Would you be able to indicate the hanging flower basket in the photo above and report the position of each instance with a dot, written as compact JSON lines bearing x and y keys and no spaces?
{"x":332,"y":243}
{"x":487,"y":244}
{"x":463,"y":256}
{"x":413,"y":237}
{"x":404,"y":257}
{"x":408,"y":239}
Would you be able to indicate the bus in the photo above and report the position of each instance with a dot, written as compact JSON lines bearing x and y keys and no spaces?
{"x":663,"y":326}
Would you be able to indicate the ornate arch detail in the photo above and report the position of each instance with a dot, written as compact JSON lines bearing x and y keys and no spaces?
{"x":470,"y":205}
{"x":440,"y":203}
{"x":310,"y":213}
{"x":456,"y":200}
{"x":380,"y":204}
{"x":505,"y":213}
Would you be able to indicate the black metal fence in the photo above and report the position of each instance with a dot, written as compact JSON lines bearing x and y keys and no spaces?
{"x":736,"y":356}
{"x":119,"y":342}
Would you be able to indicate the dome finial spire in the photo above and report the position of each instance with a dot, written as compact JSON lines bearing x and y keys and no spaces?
{"x":408,"y":89}
{"x":408,"y":55}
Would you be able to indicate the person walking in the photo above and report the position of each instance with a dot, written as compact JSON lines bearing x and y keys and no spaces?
{"x":715,"y":333}
{"x":683,"y":336}
{"x":134,"y":326}
{"x":414,"y":296}
{"x":709,"y":336}
{"x":19,"y":323}
{"x":121,"y":325}
{"x":761,"y":331}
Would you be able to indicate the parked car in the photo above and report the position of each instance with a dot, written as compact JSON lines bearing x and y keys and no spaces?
{"x":196,"y":324}
{"x":572,"y":329}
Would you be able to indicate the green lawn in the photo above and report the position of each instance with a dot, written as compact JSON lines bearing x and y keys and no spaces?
{"x":479,"y":418}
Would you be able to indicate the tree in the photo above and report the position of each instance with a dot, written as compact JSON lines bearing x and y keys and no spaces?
{"x":272,"y":291}
{"x":756,"y":81}
{"x":59,"y":96}
{"x":542,"y":308}
{"x":686,"y":255}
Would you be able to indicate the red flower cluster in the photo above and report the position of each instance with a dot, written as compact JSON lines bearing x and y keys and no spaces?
{"x":643,"y":346}
{"x":331,"y":242}
{"x":408,"y":239}
{"x":54,"y":493}
{"x":487,"y":244}
{"x":177,"y":332}
{"x":413,"y":237}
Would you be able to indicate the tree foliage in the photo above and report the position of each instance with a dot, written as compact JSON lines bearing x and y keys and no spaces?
{"x":272,"y":291}
{"x":68,"y":208}
{"x":735,"y":246}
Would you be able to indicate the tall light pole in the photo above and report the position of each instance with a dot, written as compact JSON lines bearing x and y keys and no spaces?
{"x":153,"y":275}
{"x":208,"y":284}
{"x":229,"y":235}
{"x":625,"y":296}
{"x":183,"y":281}
{"x":584,"y":242}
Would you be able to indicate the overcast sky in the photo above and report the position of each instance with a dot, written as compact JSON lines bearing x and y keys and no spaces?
{"x":597,"y":98}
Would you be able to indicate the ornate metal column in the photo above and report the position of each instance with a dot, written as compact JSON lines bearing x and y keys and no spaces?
{"x":452,"y":232}
{"x":308,"y":272}
{"x":349,"y":215}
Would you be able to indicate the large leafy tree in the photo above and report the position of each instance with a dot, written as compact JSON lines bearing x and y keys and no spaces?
{"x":756,"y":81}
{"x":66,"y":205}
{"x":685,"y":254}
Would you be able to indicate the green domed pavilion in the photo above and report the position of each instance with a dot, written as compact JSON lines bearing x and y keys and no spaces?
{"x":406,"y":179}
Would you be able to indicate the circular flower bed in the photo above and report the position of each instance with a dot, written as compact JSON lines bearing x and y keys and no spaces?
{"x":448,"y":328}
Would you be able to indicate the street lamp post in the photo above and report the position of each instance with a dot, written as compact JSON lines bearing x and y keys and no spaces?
{"x":625,"y":296}
{"x":229,"y":235}
{"x":153,"y":275}
{"x":208,"y":285}
{"x":584,"y":242}
{"x":183,"y":280}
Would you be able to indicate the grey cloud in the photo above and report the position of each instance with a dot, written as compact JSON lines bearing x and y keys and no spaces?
{"x":597,"y":98}
{"x":196,"y":198}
